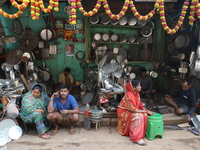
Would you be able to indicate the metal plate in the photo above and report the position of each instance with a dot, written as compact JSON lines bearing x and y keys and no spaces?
{"x":15,"y":132}
{"x":180,"y":41}
{"x":6,"y":131}
{"x":3,"y":138}
{"x":87,"y":98}
{"x":7,"y":122}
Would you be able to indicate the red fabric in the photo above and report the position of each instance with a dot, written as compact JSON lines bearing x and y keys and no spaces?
{"x":129,"y":123}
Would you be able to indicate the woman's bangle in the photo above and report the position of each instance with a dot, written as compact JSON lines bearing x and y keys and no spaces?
{"x":146,"y":110}
{"x":51,"y":99}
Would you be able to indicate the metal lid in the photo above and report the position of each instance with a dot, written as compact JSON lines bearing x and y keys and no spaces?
{"x":94,"y":19}
{"x":114,"y":22}
{"x":123,"y":20}
{"x":105,"y":20}
{"x":132,"y":20}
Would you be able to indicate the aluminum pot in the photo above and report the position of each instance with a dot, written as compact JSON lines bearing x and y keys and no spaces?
{"x":198,"y":51}
{"x":197,"y":66}
{"x":105,"y":37}
{"x":97,"y":37}
{"x":132,"y":20}
{"x":114,"y":37}
{"x":146,"y":32}
{"x":114,"y":22}
{"x":123,"y":38}
{"x":94,"y":19}
{"x":141,"y":23}
{"x":123,"y":20}
{"x":132,"y":38}
{"x":149,"y":24}
{"x":105,"y":20}
{"x":153,"y":74}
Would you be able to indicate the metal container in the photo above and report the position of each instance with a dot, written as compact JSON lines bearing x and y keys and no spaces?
{"x":94,"y":19}
{"x":196,"y":121}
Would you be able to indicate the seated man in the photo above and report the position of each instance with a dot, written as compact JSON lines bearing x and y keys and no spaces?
{"x":66,"y":78}
{"x":184,"y":101}
{"x":145,"y":82}
{"x":63,"y":107}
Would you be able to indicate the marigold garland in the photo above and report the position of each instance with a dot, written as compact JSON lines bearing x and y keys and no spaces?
{"x":90,"y":13}
{"x":163,"y":19}
{"x":72,"y":18}
{"x":120,"y":14}
{"x":38,"y":5}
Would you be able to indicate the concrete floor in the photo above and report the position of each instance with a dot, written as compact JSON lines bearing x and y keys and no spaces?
{"x":105,"y":138}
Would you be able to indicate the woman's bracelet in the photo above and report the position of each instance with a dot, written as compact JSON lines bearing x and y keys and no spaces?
{"x":146,"y":110}
{"x":51,"y":99}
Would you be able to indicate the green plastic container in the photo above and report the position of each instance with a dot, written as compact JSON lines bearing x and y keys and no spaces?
{"x":154,"y":126}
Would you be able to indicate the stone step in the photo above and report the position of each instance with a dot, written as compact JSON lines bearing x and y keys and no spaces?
{"x":168,"y":119}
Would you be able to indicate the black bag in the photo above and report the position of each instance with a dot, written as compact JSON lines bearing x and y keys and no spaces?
{"x":18,"y":101}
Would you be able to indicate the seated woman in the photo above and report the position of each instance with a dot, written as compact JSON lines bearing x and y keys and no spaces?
{"x":132,"y":116}
{"x":34,"y":110}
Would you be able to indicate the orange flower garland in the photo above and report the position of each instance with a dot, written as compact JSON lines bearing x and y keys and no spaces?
{"x":18,"y":13}
{"x":21,"y":6}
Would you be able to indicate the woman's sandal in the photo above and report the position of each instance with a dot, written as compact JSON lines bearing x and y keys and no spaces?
{"x":72,"y":131}
{"x":142,"y":143}
{"x":44,"y":136}
{"x":53,"y":132}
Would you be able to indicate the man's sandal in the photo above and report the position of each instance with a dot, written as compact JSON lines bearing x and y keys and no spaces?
{"x":53,"y":132}
{"x":72,"y":131}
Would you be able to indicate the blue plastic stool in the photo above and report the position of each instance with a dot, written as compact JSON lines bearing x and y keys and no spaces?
{"x":154,"y":126}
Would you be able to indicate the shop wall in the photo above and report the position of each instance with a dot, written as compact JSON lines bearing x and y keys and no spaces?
{"x":57,"y":62}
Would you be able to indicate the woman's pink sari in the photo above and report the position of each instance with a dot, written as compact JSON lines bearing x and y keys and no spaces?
{"x":129,"y":123}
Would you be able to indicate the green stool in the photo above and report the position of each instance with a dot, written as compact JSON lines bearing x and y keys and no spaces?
{"x":154,"y":126}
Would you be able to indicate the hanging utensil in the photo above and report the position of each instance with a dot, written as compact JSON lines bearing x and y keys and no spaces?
{"x":16,"y":66}
{"x":14,"y":57}
{"x":145,"y":54}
